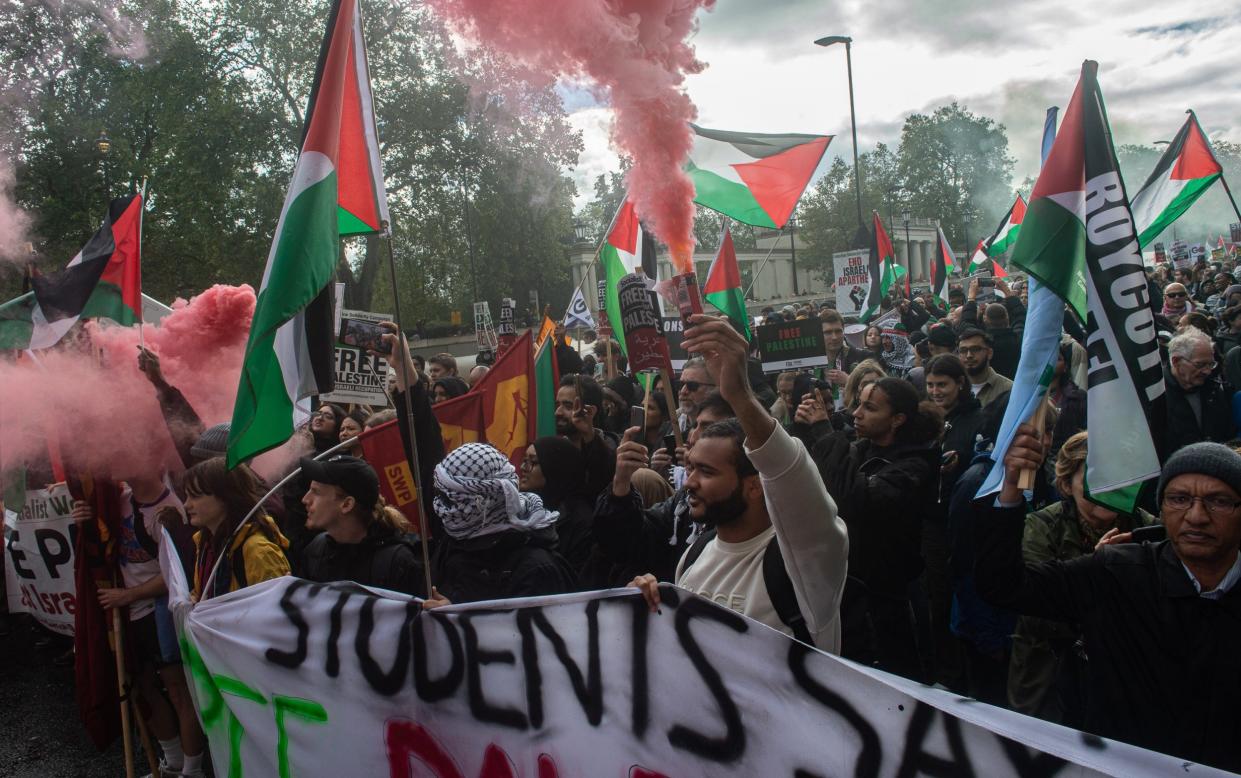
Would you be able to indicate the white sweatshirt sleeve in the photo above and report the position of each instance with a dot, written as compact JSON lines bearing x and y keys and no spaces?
{"x":813,"y":539}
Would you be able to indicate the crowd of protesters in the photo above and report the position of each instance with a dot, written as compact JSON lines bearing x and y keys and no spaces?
{"x":836,"y":505}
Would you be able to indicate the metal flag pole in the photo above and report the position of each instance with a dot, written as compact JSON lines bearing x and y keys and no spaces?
{"x":142,"y":207}
{"x":763,"y":264}
{"x":424,"y":526}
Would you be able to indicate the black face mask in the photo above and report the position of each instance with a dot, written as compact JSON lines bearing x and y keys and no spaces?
{"x":725,"y":512}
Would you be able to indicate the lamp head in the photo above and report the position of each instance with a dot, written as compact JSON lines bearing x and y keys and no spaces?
{"x":833,"y":39}
{"x":102,"y":143}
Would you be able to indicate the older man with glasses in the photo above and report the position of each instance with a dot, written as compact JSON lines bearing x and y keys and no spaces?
{"x":1197,"y":406}
{"x":1161,"y":620}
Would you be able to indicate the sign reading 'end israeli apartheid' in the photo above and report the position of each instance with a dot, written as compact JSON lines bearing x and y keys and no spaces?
{"x":791,"y":345}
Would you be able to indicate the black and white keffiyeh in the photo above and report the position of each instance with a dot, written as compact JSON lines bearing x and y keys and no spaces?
{"x":477,"y":494}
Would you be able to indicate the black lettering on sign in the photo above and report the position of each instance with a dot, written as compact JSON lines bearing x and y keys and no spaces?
{"x":348,"y":360}
{"x":433,"y":689}
{"x":917,"y":761}
{"x":1031,"y":765}
{"x":386,"y":682}
{"x":292,"y":659}
{"x":730,"y":746}
{"x":332,"y":664}
{"x":52,"y":560}
{"x":475,"y":658}
{"x":1100,"y":367}
{"x":870,"y":756}
{"x":18,"y":556}
{"x":641,"y":676}
{"x":588,"y":688}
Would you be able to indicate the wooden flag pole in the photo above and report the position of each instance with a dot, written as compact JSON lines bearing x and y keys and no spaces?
{"x":142,"y":207}
{"x":122,"y":684}
{"x":1025,"y":481}
{"x":148,"y":746}
{"x":424,"y":526}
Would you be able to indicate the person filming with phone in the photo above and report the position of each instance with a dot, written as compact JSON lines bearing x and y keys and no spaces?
{"x":1160,"y":621}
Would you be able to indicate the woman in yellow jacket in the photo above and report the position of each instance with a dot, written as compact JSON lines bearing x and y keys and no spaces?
{"x":216,"y":500}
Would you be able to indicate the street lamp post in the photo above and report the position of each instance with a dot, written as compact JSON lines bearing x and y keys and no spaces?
{"x":103,"y":145}
{"x":909,"y":260}
{"x":857,"y":175}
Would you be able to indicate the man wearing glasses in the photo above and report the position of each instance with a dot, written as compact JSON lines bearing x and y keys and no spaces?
{"x":1161,"y":621}
{"x":1198,"y":408}
{"x":1176,"y":302}
{"x":695,"y":385}
{"x":974,"y":348}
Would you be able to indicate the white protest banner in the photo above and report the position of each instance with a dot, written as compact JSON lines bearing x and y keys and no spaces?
{"x":297,"y":678}
{"x":360,"y":375}
{"x":38,"y":570}
{"x":852,"y":276}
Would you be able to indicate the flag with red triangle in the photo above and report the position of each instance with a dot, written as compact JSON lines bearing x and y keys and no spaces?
{"x":883,"y":270}
{"x":723,"y":286}
{"x":1186,"y":170}
{"x":1005,"y":235}
{"x":337,"y":190}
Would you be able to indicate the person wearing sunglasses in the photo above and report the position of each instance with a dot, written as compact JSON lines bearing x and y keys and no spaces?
{"x":695,"y":385}
{"x":1176,"y":302}
{"x":1198,"y":408}
{"x":1159,"y":620}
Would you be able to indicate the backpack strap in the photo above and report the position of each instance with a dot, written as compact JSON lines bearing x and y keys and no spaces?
{"x":780,"y":590}
{"x":695,"y":550}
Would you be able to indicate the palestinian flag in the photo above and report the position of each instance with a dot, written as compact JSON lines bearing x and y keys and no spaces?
{"x":546,"y":383}
{"x":752,"y":177}
{"x":981,"y":263}
{"x":1187,"y":169}
{"x":941,"y":266}
{"x":1010,"y":227}
{"x":628,"y":248}
{"x":883,"y":271}
{"x":1080,"y":241}
{"x":723,"y":287}
{"x":103,"y":280}
{"x":337,"y":190}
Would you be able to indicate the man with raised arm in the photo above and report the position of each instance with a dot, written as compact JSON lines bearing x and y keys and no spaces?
{"x":760,"y":494}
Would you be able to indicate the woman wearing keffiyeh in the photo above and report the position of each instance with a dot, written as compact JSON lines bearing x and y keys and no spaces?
{"x":501,"y":542}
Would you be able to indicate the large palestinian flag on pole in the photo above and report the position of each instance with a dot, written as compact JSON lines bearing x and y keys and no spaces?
{"x":103,"y":280}
{"x":337,"y":190}
{"x":1005,"y":236}
{"x":1079,"y":240}
{"x":627,"y":249}
{"x":723,"y":286}
{"x":1186,"y":170}
{"x":754,"y":178}
{"x":884,"y":270}
{"x":941,"y":266}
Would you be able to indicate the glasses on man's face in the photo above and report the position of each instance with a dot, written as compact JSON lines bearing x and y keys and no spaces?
{"x":1202,"y":367}
{"x":1217,"y":505}
{"x":969,"y":351}
{"x":1176,"y":294}
{"x":693,"y":386}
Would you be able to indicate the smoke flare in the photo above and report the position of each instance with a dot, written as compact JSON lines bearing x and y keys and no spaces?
{"x":635,"y":55}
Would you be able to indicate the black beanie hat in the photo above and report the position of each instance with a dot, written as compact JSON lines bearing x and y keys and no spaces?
{"x":1213,"y":459}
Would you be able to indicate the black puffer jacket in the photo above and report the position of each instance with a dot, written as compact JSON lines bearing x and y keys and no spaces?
{"x":383,"y":559}
{"x":506,"y":564}
{"x":961,"y":427}
{"x":883,"y":495}
{"x":632,"y":540}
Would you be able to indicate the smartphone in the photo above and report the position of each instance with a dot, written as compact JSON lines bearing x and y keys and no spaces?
{"x":1152,"y":534}
{"x":362,"y":334}
{"x":637,"y":417}
{"x":986,"y":281}
{"x":670,"y":443}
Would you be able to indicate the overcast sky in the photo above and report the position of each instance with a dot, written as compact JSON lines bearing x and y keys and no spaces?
{"x":1008,"y":60}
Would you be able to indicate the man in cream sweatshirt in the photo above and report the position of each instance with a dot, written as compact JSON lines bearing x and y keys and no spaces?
{"x":752,"y":483}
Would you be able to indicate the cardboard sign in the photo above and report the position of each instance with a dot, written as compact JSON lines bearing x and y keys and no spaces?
{"x":1161,"y":253}
{"x":1180,"y":255}
{"x":674,"y":333}
{"x":852,"y":278}
{"x":38,"y":570}
{"x":605,"y":326}
{"x":298,"y":678}
{"x":506,"y":332}
{"x":360,"y":376}
{"x":1234,"y":230}
{"x":484,"y":332}
{"x":641,"y":324}
{"x":791,"y":345}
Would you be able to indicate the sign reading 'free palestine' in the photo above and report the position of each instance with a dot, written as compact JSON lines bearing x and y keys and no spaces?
{"x":791,"y":345}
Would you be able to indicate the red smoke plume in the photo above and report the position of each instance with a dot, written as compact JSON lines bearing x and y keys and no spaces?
{"x":635,"y":54}
{"x":105,"y":411}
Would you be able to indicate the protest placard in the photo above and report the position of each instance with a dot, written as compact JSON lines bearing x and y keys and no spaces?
{"x":360,"y":375}
{"x":791,"y":345}
{"x":39,"y":558}
{"x":674,"y":333}
{"x":640,"y":322}
{"x":852,"y":276}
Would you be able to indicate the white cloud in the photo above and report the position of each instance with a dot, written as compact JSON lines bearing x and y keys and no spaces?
{"x":1009,"y":61}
